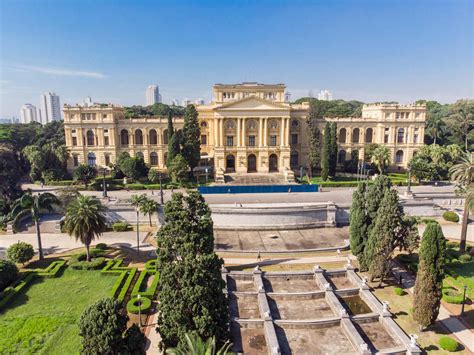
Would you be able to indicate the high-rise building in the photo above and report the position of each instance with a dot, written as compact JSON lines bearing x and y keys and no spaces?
{"x":50,"y":107}
{"x":152,"y":95}
{"x":199,"y":101}
{"x":88,"y":102}
{"x":29,"y":113}
{"x":175,"y":102}
{"x":325,"y":95}
{"x":185,"y":102}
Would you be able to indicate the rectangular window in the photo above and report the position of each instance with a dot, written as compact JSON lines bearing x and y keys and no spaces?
{"x":107,"y":159}
{"x":294,"y":139}
{"x":251,"y":141}
{"x":93,"y":116}
{"x":76,"y":160}
{"x":415,"y":136}
{"x":293,"y":159}
{"x":106,"y":140}
{"x":387,"y":135}
{"x":230,"y":141}
{"x":203,"y":139}
{"x":273,"y":141}
{"x":83,"y":116}
{"x":74,"y":141}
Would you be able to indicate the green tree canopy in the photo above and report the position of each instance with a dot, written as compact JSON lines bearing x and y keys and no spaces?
{"x":325,"y":152}
{"x":191,"y":138}
{"x":84,"y":173}
{"x":134,"y":168}
{"x":358,"y":224}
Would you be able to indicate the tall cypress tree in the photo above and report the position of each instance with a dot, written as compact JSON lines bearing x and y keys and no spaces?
{"x":191,"y":137}
{"x":314,"y":156}
{"x":429,"y":278}
{"x":191,"y":296}
{"x":383,"y":236}
{"x":375,"y":195}
{"x":358,"y":225}
{"x":173,"y":142}
{"x":333,"y":150}
{"x":170,"y":125}
{"x":326,"y":151}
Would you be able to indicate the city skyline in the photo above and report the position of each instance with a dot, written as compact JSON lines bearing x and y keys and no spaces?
{"x":369,"y":51}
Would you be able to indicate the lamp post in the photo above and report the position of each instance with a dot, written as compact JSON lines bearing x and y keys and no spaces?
{"x":463,"y":300}
{"x":139,"y":310}
{"x":104,"y":192}
{"x":161,"y":189}
{"x":409,"y":179}
{"x":138,"y":232}
{"x":207,"y":175}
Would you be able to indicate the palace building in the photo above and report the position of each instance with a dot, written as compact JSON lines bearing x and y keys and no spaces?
{"x":248,"y":127}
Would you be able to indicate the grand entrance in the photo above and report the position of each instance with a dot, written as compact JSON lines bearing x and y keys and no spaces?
{"x":251,"y":163}
{"x":273,"y":163}
{"x":230,"y":164}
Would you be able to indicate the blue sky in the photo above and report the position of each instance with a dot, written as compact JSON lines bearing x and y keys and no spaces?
{"x":375,"y":50}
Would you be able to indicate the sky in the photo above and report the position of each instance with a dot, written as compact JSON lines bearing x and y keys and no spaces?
{"x":111,"y":50}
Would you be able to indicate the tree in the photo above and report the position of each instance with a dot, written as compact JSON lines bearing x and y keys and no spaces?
{"x":375,"y":194}
{"x":383,"y":236}
{"x":196,"y":346}
{"x":191,"y":296}
{"x":191,"y":138}
{"x":325,"y":152}
{"x":333,"y":150}
{"x":36,"y":159}
{"x":10,"y":173}
{"x":369,"y":150}
{"x":432,"y":162}
{"x":154,"y":176}
{"x":409,"y":237}
{"x":174,"y":149}
{"x":85,"y":220}
{"x":8,"y":273}
{"x":381,"y":158}
{"x":314,"y":157}
{"x":20,"y":252}
{"x":134,"y":341}
{"x":134,"y":168}
{"x":101,"y":327}
{"x":31,"y":205}
{"x":358,"y":225}
{"x":178,"y":169}
{"x":463,"y":173}
{"x":461,"y":121}
{"x":429,"y":277}
{"x":84,"y":173}
{"x":149,"y":207}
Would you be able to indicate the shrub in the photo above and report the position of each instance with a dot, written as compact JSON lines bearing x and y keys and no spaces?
{"x":399,"y":291}
{"x":452,"y":245}
{"x":451,"y":216}
{"x":120,"y":226}
{"x":20,"y":252}
{"x":134,"y":341}
{"x":133,"y":305}
{"x":8,"y":273}
{"x":94,"y":264}
{"x":101,"y":246}
{"x":448,"y":344}
{"x":127,"y":284}
{"x":136,"y":186}
{"x":94,"y":253}
{"x":465,"y":258}
{"x":450,"y":295}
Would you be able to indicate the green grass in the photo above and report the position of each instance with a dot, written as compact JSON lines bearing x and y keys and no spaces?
{"x":465,"y":276}
{"x":349,"y":181}
{"x":44,"y":318}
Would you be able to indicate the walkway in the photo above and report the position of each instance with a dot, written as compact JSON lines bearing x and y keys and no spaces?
{"x":451,"y":323}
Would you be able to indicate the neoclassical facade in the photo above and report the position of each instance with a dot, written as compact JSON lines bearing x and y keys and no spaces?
{"x":248,"y":127}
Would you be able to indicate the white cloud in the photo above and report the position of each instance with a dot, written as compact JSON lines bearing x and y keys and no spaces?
{"x":59,"y":71}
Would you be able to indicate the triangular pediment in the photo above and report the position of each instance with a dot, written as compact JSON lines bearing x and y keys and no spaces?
{"x":253,"y":103}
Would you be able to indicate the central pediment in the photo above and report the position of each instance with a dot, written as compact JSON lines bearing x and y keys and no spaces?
{"x":253,"y":103}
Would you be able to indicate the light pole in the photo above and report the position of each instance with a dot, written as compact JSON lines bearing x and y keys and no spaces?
{"x":138,"y":232}
{"x":161,"y":189}
{"x":409,"y":179}
{"x":207,"y":175}
{"x":139,"y":310}
{"x":463,"y":300}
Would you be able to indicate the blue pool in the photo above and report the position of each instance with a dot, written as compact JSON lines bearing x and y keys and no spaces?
{"x":256,"y":189}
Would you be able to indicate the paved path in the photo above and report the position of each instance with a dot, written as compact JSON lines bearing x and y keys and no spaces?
{"x":152,"y":335}
{"x":453,"y":324}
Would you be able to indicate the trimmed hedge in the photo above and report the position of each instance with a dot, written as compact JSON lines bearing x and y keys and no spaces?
{"x":149,"y":291}
{"x":8,"y":273}
{"x":451,"y":295}
{"x":448,"y":344}
{"x":94,"y":264}
{"x":52,"y":270}
{"x":465,"y":258}
{"x":127,"y":284}
{"x":399,"y":291}
{"x":101,"y":246}
{"x":94,"y":253}
{"x":451,"y":216}
{"x":13,"y":290}
{"x":133,"y":306}
{"x":151,"y":265}
{"x":118,"y":283}
{"x":120,"y":226}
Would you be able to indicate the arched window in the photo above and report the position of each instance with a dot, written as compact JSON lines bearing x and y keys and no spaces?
{"x":229,"y":124}
{"x":342,"y":135}
{"x":273,"y":124}
{"x":138,"y":137}
{"x":91,"y":159}
{"x":203,"y":124}
{"x":153,"y":137}
{"x":153,"y":159}
{"x":294,"y":159}
{"x":341,"y":157}
{"x":401,"y":135}
{"x":165,"y":136}
{"x":399,"y":157}
{"x":355,"y":135}
{"x":139,"y":155}
{"x":368,"y":135}
{"x":90,"y":137}
{"x":294,"y":123}
{"x":123,"y":137}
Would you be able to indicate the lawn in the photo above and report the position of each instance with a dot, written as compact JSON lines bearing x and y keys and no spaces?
{"x":44,"y":318}
{"x":349,"y":181}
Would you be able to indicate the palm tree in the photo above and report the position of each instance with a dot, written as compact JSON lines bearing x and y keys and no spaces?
{"x":196,"y":346}
{"x":149,"y":207}
{"x":435,"y":125}
{"x":31,"y":205}
{"x":85,"y":220}
{"x":463,"y":173}
{"x":381,"y":157}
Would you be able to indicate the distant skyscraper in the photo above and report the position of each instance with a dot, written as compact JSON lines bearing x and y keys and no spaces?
{"x":186,"y":102}
{"x":29,"y":113}
{"x":152,"y":95}
{"x":199,"y":102}
{"x":325,"y":95}
{"x":50,"y":107}
{"x":88,"y":102}
{"x":175,"y":102}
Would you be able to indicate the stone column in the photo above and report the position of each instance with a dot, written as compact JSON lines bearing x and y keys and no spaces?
{"x":287,"y":135}
{"x":238,"y":131}
{"x":282,"y":132}
{"x":260,"y":132}
{"x":221,"y":131}
{"x":215,"y":124}
{"x":244,"y":138}
{"x":265,"y":131}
